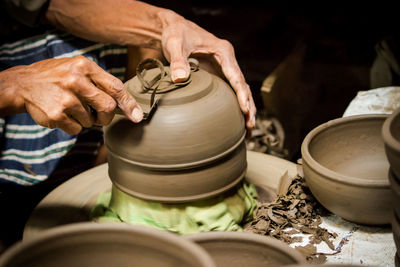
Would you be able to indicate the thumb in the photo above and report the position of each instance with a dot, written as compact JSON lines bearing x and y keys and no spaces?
{"x":180,"y":69}
{"x":179,"y":65}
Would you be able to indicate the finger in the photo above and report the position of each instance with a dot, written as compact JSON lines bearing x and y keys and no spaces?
{"x":81,"y":113}
{"x":69,"y":125}
{"x":56,"y":119}
{"x":115,"y":88}
{"x":65,"y":123}
{"x":103,"y":104}
{"x":178,"y":56}
{"x":60,"y":119}
{"x":251,"y":116}
{"x":225,"y":56}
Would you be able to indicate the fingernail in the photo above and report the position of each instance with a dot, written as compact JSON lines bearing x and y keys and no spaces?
{"x":179,"y":74}
{"x":137,"y":115}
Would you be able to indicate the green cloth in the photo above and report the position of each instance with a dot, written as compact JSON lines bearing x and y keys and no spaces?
{"x":225,"y":212}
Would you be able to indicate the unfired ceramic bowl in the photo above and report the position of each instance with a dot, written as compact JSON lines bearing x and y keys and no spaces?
{"x":395,"y":188}
{"x":391,"y":138}
{"x":396,"y":230}
{"x":346,"y":168}
{"x":104,"y":245}
{"x":237,"y":249}
{"x":322,"y":265}
{"x":191,"y":147}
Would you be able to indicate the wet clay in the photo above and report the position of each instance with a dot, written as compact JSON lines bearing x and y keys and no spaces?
{"x":396,"y":231}
{"x":391,"y":137}
{"x":294,"y":211}
{"x":396,"y":237}
{"x":101,"y":245}
{"x":190,"y":147}
{"x":237,"y":249}
{"x":346,"y":168}
{"x":324,"y":265}
{"x":395,"y":188}
{"x":73,"y":200}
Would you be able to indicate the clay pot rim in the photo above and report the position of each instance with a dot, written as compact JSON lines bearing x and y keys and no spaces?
{"x":247,"y":238}
{"x":387,"y":136}
{"x":91,"y":227}
{"x":333,"y":175}
{"x":180,"y":166}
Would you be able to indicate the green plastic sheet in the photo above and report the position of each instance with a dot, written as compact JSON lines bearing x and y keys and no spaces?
{"x":226,"y":212}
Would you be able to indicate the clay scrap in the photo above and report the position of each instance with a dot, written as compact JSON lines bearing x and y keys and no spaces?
{"x":292,"y":213}
{"x":267,"y":136}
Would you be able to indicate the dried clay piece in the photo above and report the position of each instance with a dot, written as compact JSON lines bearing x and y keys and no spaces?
{"x":293,"y":212}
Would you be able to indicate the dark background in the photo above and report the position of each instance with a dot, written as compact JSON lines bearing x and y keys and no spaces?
{"x":337,"y":43}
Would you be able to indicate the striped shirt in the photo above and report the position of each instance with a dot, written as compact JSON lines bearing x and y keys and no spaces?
{"x":29,"y":152}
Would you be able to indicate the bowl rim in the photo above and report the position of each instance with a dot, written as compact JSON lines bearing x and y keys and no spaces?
{"x":387,"y":136}
{"x":91,"y":227}
{"x":333,"y":175}
{"x":247,"y":238}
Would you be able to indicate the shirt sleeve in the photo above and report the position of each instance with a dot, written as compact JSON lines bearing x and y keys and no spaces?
{"x":27,"y":12}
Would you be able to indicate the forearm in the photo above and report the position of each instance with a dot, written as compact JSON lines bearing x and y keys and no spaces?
{"x":124,"y":22}
{"x":10,"y":102}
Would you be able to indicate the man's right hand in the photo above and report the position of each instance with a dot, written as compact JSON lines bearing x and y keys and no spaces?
{"x":66,"y":93}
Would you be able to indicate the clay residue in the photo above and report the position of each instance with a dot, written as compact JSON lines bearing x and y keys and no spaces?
{"x":291,"y":213}
{"x":267,"y":136}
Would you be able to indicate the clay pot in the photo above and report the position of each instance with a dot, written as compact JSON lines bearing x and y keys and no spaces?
{"x":323,"y":265}
{"x":391,"y":138}
{"x":346,"y":168}
{"x":396,"y":237}
{"x":395,"y":187}
{"x":237,"y":249}
{"x":396,"y":230}
{"x":191,"y":146}
{"x":98,"y":245}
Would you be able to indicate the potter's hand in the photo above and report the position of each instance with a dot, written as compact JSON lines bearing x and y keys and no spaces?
{"x":66,"y":93}
{"x":182,"y":38}
{"x":136,"y":23}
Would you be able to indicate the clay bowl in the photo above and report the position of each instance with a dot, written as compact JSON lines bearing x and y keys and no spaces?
{"x":396,"y":230}
{"x":237,"y":249}
{"x":323,"y":265}
{"x":98,"y":245}
{"x":395,"y":187}
{"x":346,"y":168}
{"x":191,"y":146}
{"x":391,"y":138}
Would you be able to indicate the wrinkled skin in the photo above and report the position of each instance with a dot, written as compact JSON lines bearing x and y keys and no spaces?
{"x":74,"y":93}
{"x":64,"y":93}
{"x":181,"y":40}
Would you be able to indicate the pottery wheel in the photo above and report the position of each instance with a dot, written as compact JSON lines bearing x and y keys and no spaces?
{"x":73,"y":200}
